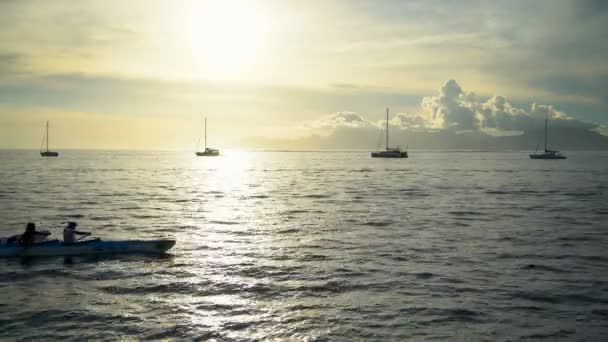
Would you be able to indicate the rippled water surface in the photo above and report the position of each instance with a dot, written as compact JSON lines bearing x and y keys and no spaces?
{"x":316,"y":246}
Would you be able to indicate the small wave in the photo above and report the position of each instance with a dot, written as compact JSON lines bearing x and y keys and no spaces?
{"x":257,"y":197}
{"x":115,"y":194}
{"x":497,"y":192}
{"x":183,"y":331}
{"x":230,"y":223}
{"x":175,"y":287}
{"x":528,"y":308}
{"x":295,"y":211}
{"x":466,"y":213}
{"x":377,"y":223}
{"x":414,"y":192}
{"x":345,"y":272}
{"x":460,"y":312}
{"x":536,"y":297}
{"x":446,"y":315}
{"x":549,"y":335}
{"x":515,"y":256}
{"x":12,"y":277}
{"x":598,"y":258}
{"x":288,"y":231}
{"x":316,"y":196}
{"x":542,"y":268}
{"x":582,"y":194}
{"x":424,"y":275}
{"x":558,"y":298}
{"x":312,"y":257}
{"x":101,"y":218}
{"x":505,"y":238}
{"x":238,"y":325}
{"x":331,"y":286}
{"x":521,"y":192}
{"x":82,"y":316}
{"x":600,"y":312}
{"x":215,"y":307}
{"x":575,"y":238}
{"x":144,"y":216}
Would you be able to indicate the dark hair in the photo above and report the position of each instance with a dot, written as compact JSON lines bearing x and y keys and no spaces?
{"x":30,"y":226}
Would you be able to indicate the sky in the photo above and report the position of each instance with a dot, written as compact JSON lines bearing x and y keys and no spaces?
{"x":142,"y":74}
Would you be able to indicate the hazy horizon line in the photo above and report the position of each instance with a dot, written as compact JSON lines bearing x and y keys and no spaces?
{"x":286,"y":150}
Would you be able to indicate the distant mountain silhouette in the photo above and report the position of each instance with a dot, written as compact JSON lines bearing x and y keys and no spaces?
{"x":367,"y":138}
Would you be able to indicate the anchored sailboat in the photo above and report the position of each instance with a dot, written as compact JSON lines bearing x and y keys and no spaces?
{"x":547,"y":154}
{"x":390,"y":152}
{"x":47,"y":152}
{"x":208,"y":152}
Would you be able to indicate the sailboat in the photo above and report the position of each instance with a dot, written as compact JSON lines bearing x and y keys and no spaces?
{"x":390,"y":152}
{"x":47,"y":152}
{"x":547,"y":154}
{"x":208,"y":152}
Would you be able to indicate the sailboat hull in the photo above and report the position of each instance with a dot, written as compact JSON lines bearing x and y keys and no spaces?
{"x":208,"y":154}
{"x":49,"y":154}
{"x":389,"y":154}
{"x":546,"y":156}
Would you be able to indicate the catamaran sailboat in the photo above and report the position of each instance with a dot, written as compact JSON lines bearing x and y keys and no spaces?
{"x":47,"y":153}
{"x":208,"y":152}
{"x":547,"y":154}
{"x":390,"y":152}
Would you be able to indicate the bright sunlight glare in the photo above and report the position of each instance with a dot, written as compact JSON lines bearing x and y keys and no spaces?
{"x":227,"y":35}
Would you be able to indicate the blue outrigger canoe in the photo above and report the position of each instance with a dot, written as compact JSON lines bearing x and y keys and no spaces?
{"x":89,"y":247}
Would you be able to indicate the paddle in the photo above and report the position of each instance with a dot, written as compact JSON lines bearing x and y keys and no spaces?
{"x":82,"y":238}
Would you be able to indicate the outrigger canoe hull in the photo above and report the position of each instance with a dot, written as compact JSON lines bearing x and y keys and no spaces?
{"x":92,"y":247}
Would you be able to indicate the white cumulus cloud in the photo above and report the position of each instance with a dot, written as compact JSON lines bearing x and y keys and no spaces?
{"x":341,"y":119}
{"x":456,"y":110}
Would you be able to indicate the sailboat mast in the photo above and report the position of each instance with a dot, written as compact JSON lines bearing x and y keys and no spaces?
{"x":546,"y":123}
{"x":47,"y":135}
{"x":387,"y":128}
{"x":205,"y":133}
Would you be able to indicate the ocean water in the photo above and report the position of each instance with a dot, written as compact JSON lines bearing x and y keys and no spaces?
{"x":312,"y":246}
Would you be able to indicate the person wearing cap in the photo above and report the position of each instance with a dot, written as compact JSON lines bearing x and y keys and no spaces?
{"x":70,"y":232}
{"x":29,"y":236}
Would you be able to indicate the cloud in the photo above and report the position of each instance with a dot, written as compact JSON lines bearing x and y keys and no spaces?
{"x":499,"y":115}
{"x":451,"y":109}
{"x":456,"y":110}
{"x":408,"y":121}
{"x":601,"y":129}
{"x":341,"y":119}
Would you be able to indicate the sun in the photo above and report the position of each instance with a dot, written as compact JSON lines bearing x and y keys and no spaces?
{"x":226,"y":36}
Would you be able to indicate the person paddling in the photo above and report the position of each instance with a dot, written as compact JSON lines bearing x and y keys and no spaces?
{"x":29,"y":236}
{"x":70,"y":232}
